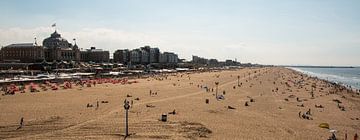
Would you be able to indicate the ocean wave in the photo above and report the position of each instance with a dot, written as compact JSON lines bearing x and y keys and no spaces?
{"x":352,"y":81}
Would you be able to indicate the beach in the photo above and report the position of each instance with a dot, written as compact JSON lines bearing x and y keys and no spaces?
{"x":276,"y":99}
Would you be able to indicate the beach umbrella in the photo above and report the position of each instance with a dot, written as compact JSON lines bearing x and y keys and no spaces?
{"x":324,"y":125}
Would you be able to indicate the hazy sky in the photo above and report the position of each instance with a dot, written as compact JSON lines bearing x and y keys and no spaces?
{"x":304,"y":32}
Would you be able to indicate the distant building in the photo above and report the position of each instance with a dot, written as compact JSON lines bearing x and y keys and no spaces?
{"x":162,"y":58}
{"x":199,"y":60}
{"x":229,"y":63}
{"x":145,"y":57}
{"x":154,"y":55}
{"x":95,"y":55}
{"x":172,"y":58}
{"x":135,"y":56}
{"x":22,"y":52}
{"x":168,"y":58}
{"x":213,"y":63}
{"x":59,"y":49}
{"x":122,"y":56}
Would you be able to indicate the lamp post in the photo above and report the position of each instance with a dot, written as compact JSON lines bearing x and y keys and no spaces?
{"x":238,"y":80}
{"x":216,"y":94}
{"x":127,"y":107}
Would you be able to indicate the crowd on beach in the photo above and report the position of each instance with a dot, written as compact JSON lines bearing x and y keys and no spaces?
{"x":32,"y":87}
{"x":299,"y":81}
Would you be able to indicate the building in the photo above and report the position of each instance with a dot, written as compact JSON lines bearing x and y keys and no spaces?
{"x":199,"y":60}
{"x":162,"y":58}
{"x":213,"y":63}
{"x":229,"y":62}
{"x":154,"y":55}
{"x":168,"y":58}
{"x":122,"y":56}
{"x":145,"y":56}
{"x":22,"y":52}
{"x":172,"y":57}
{"x":57,"y":48}
{"x":95,"y":55}
{"x":135,"y":56}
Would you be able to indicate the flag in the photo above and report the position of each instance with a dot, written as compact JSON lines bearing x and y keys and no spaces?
{"x":54,"y":25}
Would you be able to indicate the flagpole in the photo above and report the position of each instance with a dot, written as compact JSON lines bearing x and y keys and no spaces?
{"x":54,"y":26}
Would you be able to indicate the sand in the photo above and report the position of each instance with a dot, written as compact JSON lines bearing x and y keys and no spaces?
{"x":273,"y":114}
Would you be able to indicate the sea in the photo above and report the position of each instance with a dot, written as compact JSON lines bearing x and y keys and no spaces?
{"x":345,"y":76}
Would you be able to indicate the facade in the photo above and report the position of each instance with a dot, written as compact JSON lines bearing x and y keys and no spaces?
{"x":22,"y":52}
{"x":135,"y":56}
{"x":162,"y":58}
{"x":95,"y":55}
{"x":230,"y":63}
{"x":213,"y":62}
{"x":154,"y":55}
{"x":57,"y":48}
{"x":122,"y":56}
{"x":199,"y":60}
{"x":168,"y":57}
{"x":145,"y":57}
{"x":172,"y":58}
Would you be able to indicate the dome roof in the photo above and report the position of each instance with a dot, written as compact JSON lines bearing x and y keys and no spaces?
{"x":55,"y":40}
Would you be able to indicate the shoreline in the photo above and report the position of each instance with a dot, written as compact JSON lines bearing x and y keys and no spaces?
{"x":350,"y":87}
{"x":319,"y":66}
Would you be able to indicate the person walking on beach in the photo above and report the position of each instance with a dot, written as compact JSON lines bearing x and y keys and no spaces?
{"x":299,"y":114}
{"x":346,"y":135}
{"x":332,"y":137}
{"x":21,"y":123}
{"x":308,"y":112}
{"x":356,"y":136}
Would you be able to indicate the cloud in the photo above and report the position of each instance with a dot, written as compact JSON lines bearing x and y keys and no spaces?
{"x":110,"y":39}
{"x":186,"y":44}
{"x":20,"y":35}
{"x":104,"y":38}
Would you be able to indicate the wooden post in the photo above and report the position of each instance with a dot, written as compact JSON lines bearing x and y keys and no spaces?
{"x":238,"y":80}
{"x":216,"y":94}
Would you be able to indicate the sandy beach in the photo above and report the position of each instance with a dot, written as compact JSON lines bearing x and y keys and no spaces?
{"x":274,"y":98}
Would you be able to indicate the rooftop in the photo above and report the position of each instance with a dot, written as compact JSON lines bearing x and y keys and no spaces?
{"x":22,"y":45}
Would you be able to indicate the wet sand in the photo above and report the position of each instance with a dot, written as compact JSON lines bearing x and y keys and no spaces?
{"x":273,"y":114}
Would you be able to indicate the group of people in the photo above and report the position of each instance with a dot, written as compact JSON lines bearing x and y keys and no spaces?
{"x":13,"y":88}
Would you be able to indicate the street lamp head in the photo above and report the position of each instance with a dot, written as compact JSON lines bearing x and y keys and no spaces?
{"x":126,"y":105}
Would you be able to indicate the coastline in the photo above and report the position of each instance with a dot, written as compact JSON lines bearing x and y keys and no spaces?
{"x":326,"y":78}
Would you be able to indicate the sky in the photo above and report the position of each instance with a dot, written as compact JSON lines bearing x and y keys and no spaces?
{"x":276,"y":32}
